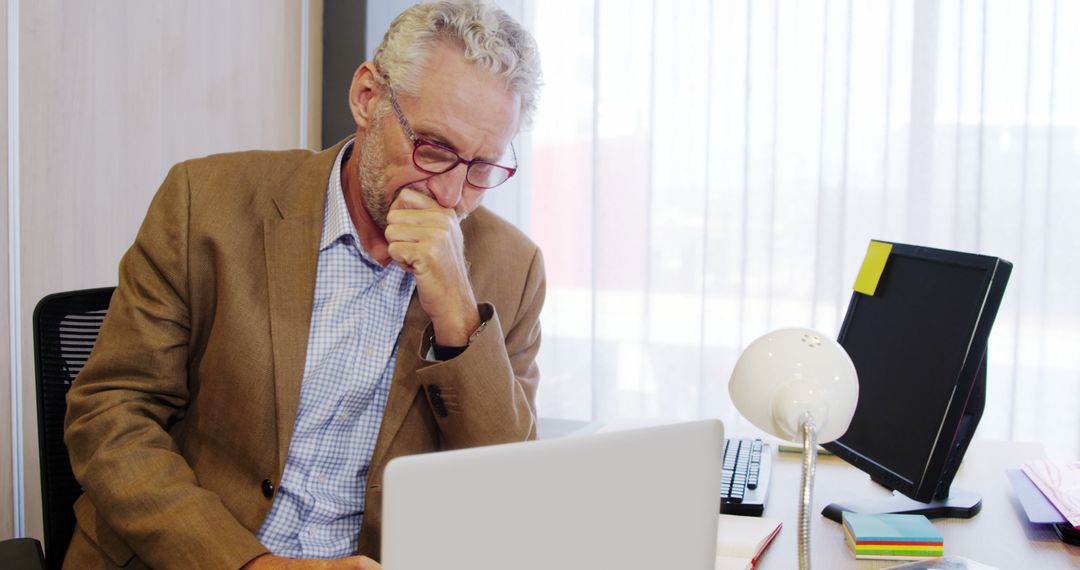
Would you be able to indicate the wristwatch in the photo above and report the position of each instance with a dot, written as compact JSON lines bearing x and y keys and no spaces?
{"x":442,"y":353}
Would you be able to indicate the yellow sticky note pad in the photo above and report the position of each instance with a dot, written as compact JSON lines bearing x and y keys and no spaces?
{"x":872,"y":266}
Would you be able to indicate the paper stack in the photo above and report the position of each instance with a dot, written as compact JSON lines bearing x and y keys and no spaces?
{"x":1060,"y":483}
{"x":891,"y":537}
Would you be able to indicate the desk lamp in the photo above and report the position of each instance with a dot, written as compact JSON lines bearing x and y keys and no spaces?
{"x":799,"y":385}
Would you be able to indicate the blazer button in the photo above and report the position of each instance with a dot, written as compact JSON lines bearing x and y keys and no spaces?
{"x":267,"y":488}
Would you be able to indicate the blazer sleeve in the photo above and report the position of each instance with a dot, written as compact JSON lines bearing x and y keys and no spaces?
{"x":486,"y":395}
{"x":133,"y":388}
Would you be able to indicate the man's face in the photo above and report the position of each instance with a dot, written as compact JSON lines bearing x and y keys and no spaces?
{"x":465,"y":109}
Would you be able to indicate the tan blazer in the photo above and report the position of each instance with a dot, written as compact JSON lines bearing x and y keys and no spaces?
{"x":180,"y":423}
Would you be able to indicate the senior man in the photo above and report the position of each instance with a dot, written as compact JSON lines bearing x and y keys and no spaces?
{"x":288,"y":322}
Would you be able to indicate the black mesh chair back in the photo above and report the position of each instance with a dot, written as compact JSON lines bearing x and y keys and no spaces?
{"x":66,"y":326}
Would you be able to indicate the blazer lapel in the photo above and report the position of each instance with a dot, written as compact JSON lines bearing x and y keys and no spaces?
{"x":291,"y":239}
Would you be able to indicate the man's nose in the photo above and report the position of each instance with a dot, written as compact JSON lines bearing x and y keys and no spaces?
{"x":448,"y":186}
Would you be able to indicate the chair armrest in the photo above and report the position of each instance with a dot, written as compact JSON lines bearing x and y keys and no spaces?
{"x":22,"y":554}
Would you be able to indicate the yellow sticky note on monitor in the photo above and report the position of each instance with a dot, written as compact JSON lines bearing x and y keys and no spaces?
{"x":872,"y":266}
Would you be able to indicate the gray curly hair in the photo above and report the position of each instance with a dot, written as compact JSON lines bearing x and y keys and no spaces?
{"x":491,"y":39}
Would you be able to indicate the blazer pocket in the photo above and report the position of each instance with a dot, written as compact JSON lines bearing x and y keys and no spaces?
{"x":100,"y":534}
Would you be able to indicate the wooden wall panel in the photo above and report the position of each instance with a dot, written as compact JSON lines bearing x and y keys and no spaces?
{"x":115,"y":92}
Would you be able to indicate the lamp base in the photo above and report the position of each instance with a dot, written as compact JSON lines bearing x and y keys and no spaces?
{"x":959,"y":504}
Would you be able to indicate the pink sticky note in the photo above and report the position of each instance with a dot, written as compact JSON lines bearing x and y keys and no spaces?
{"x":1060,"y":482}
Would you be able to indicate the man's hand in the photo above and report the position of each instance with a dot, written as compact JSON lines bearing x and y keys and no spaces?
{"x":425,"y":239}
{"x":271,"y":562}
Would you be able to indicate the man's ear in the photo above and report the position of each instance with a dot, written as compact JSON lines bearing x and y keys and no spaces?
{"x":363,"y":94}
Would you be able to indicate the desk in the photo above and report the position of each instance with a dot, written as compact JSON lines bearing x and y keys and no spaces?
{"x":998,"y":536}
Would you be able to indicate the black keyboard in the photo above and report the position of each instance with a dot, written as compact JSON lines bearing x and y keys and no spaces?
{"x":745,"y":482}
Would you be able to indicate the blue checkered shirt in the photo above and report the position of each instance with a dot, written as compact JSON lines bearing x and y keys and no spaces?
{"x":352,"y":347}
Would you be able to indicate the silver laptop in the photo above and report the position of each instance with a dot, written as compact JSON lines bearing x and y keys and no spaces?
{"x":628,"y":500}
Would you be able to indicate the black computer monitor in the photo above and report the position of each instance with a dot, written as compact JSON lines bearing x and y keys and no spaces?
{"x":919,"y":347}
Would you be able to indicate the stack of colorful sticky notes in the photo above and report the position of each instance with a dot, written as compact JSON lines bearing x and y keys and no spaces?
{"x":891,"y":537}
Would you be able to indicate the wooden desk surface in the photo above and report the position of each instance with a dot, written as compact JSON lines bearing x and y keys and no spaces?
{"x":999,"y":536}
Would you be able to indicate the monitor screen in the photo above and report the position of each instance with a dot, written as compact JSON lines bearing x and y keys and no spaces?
{"x":918,"y":344}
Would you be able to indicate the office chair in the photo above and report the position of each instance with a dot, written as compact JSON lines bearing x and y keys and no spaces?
{"x":66,"y":326}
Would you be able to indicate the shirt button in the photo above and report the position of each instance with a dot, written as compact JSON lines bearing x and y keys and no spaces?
{"x":382,"y":284}
{"x":369,"y":351}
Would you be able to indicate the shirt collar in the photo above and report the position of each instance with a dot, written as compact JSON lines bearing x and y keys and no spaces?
{"x":336,"y":219}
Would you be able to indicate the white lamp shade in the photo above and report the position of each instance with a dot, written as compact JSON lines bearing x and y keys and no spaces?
{"x":789,"y":372}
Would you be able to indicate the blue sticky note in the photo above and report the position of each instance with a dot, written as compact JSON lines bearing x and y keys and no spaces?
{"x":891,"y":528}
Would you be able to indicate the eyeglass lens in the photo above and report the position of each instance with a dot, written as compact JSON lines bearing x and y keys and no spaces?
{"x":437,"y":160}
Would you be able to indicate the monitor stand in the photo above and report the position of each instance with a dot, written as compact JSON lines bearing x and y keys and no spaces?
{"x":959,"y":504}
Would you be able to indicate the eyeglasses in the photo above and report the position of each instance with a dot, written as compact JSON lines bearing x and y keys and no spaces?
{"x":434,"y":158}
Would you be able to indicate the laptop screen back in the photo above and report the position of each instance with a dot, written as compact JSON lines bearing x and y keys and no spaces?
{"x":639,"y":499}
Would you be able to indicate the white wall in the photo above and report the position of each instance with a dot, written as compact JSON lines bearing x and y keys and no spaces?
{"x":6,"y":521}
{"x":112,"y":93}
